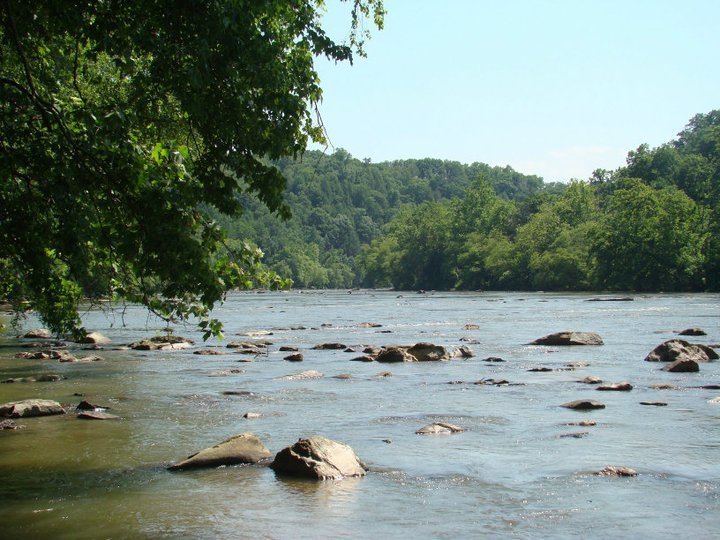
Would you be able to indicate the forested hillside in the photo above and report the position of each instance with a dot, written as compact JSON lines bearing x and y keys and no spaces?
{"x":651,"y":225}
{"x":341,"y":204}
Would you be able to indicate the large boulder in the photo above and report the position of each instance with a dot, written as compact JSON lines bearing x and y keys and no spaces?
{"x":679,"y":349}
{"x":31,"y":407}
{"x":395,"y":354}
{"x":319,"y":458}
{"x":569,"y":338}
{"x":427,"y":352}
{"x":242,"y":448}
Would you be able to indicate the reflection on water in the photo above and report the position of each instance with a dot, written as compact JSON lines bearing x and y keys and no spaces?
{"x":511,"y":473}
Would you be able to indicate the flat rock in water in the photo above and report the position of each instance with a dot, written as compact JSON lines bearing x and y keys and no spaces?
{"x":252,"y":416}
{"x":31,"y":407}
{"x":319,"y":458}
{"x":97,"y":415}
{"x":162,"y":343}
{"x":242,"y":448}
{"x":583,"y":405}
{"x":363,"y":358}
{"x":612,"y":470}
{"x":395,"y":355}
{"x":663,"y":386}
{"x":439,"y":428}
{"x":678,"y":349}
{"x":297,"y":357}
{"x":654,"y":403}
{"x":693,"y":332}
{"x":463,"y":352}
{"x":685,"y":365}
{"x":619,"y":387}
{"x":569,"y":338}
{"x":493,"y":359}
{"x":330,"y":346}
{"x":304,"y":375}
{"x":427,"y":352}
{"x":288,"y":348}
{"x":38,"y":333}
{"x":715,"y":400}
{"x":209,"y":352}
{"x":576,"y":435}
{"x":590,"y":380}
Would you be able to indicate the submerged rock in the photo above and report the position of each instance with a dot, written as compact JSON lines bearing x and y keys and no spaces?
{"x":612,"y":470}
{"x":678,"y":349}
{"x":583,"y":405}
{"x":31,"y":407}
{"x":242,"y":448}
{"x":654,"y":403}
{"x":439,"y":428}
{"x":304,"y":375}
{"x":590,"y":380}
{"x":620,"y":387}
{"x":209,"y":352}
{"x":569,"y":338}
{"x":319,"y":458}
{"x":8,"y":424}
{"x":96,"y":415}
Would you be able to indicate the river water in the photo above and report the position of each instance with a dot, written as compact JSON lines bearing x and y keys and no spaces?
{"x":510,"y":474}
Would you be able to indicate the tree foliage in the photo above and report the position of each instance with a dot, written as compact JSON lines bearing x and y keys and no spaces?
{"x":124,"y":123}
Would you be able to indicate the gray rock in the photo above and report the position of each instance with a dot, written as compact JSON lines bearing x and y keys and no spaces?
{"x":620,"y":387}
{"x":330,"y":346}
{"x":678,"y":349}
{"x":439,"y":428}
{"x":590,"y":380}
{"x":38,"y":333}
{"x":319,"y":458}
{"x":683,"y":365}
{"x":31,"y":407}
{"x":242,"y":448}
{"x":395,"y":355}
{"x":8,"y":424}
{"x":583,"y":405}
{"x":612,"y":470}
{"x":569,"y":338}
{"x":96,"y":337}
{"x":304,"y":375}
{"x":693,"y":332}
{"x":163,"y":343}
{"x":427,"y":352}
{"x":209,"y":352}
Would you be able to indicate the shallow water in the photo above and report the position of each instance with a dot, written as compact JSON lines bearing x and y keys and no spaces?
{"x":509,"y":474}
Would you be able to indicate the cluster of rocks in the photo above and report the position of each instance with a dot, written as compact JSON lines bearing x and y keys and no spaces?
{"x":316,"y":457}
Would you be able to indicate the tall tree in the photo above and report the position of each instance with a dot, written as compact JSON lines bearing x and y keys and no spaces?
{"x":122,"y":120}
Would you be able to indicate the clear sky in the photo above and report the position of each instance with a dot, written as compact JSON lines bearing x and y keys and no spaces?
{"x":556,"y":88}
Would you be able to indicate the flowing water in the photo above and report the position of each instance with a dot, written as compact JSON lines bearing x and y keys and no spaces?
{"x":510,"y":474}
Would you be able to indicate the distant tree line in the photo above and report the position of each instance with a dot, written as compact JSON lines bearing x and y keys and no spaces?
{"x":651,"y":225}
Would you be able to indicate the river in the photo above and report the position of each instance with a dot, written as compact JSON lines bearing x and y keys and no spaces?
{"x":511,"y":473}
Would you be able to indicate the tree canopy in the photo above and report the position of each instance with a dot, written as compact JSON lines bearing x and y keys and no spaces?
{"x":124,"y":122}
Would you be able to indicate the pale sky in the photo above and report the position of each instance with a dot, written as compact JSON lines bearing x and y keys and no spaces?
{"x":556,"y":88}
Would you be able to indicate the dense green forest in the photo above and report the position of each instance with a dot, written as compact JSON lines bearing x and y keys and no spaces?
{"x":651,"y":225}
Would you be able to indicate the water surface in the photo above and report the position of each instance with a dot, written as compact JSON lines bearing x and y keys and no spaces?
{"x":510,"y":473}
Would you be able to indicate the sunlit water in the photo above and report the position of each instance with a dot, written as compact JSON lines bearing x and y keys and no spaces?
{"x":510,"y":474}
